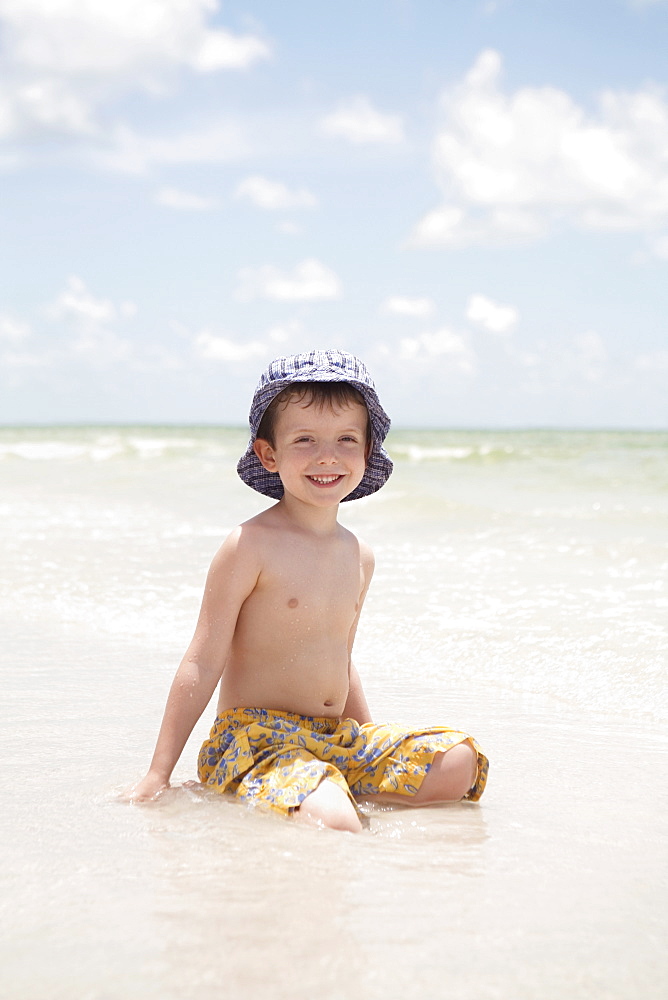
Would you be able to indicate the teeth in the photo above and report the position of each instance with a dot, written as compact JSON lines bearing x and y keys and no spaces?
{"x":324,"y":479}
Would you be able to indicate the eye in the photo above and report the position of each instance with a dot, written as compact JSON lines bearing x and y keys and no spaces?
{"x":350,"y":438}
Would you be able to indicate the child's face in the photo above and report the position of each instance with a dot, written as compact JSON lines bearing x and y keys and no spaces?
{"x":319,"y":451}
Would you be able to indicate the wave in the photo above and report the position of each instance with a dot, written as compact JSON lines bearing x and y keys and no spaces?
{"x":85,"y":444}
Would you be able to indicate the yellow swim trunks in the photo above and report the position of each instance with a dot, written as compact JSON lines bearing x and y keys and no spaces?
{"x":275,"y":759}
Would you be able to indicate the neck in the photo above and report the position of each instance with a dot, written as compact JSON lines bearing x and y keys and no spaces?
{"x":320,"y":520}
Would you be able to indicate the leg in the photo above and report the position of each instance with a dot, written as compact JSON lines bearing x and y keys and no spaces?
{"x":328,"y":805}
{"x":449,"y":778}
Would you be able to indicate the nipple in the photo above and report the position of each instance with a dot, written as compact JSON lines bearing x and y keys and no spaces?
{"x":293,"y":602}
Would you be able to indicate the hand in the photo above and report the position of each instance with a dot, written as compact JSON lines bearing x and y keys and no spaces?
{"x":147,"y":789}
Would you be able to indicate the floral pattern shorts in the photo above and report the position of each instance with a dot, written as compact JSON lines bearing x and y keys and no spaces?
{"x":275,"y":759}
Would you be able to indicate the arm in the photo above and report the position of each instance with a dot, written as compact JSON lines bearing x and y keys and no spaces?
{"x":232,"y":577}
{"x":356,"y":706}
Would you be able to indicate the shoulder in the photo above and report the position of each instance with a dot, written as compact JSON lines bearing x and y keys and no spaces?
{"x":249,"y":533}
{"x":366,"y":556}
{"x":241,"y":549}
{"x":250,"y":543}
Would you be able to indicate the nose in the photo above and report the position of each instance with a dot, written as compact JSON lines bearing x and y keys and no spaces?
{"x":326,"y":454}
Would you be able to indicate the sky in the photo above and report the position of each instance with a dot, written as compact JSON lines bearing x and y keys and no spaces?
{"x":471,"y":195}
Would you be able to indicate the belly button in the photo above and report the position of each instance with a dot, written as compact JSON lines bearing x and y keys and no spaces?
{"x":328,"y":704}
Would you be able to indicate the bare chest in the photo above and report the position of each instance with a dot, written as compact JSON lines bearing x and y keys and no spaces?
{"x":320,"y":590}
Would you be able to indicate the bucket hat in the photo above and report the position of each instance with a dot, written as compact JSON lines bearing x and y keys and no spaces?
{"x":317,"y":366}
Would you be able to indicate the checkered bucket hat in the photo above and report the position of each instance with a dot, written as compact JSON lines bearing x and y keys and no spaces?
{"x":317,"y":366}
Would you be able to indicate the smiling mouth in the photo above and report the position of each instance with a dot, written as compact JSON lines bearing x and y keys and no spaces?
{"x":324,"y":480}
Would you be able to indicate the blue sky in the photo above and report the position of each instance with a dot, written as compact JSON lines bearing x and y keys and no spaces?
{"x":473,"y":196}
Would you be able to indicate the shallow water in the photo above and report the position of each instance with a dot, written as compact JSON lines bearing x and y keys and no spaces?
{"x":520,"y":593}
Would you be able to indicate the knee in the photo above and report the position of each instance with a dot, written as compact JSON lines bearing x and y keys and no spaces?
{"x":329,"y":806}
{"x":451,"y":776}
{"x":348,"y":822}
{"x":464,"y":769}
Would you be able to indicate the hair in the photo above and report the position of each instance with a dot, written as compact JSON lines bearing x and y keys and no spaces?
{"x":319,"y":394}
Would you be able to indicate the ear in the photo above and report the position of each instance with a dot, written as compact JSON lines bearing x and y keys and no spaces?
{"x":265,"y":454}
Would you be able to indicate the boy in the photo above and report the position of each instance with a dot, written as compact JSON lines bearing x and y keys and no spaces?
{"x":278,"y":619}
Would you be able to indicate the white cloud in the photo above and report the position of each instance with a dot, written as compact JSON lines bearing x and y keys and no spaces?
{"x":273,"y":195}
{"x":491,"y":315}
{"x":454,"y":226}
{"x":289,"y":227}
{"x":444,"y":343}
{"x":101,"y":347}
{"x":358,"y":121}
{"x":221,"y":49}
{"x":184,"y":201}
{"x":13,"y":330}
{"x":129,"y":152}
{"x":652,"y":361}
{"x":96,"y":38}
{"x":65,"y":60}
{"x":309,"y":281}
{"x":402,"y":306}
{"x":77,"y":303}
{"x":511,"y":166}
{"x":213,"y":348}
{"x":281,"y":338}
{"x":92,"y":319}
{"x":43,"y":105}
{"x":285,"y":332}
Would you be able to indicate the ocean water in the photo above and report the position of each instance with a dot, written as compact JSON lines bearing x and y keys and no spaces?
{"x":520,"y":594}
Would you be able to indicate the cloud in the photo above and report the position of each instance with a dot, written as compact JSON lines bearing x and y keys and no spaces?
{"x":359,"y":122}
{"x":91,"y":319}
{"x":184,"y":201}
{"x":64,"y":62}
{"x":273,"y":195}
{"x":441,"y":344}
{"x":289,"y":227}
{"x":490,"y":315}
{"x":213,"y":348}
{"x":284,"y":333}
{"x":309,"y":281}
{"x":401,"y":306}
{"x":583,"y":358}
{"x":95,"y":38}
{"x":128,"y":152}
{"x":13,"y":330}
{"x":515,"y":166}
{"x":78,"y":304}
{"x":43,"y":105}
{"x":652,"y":361}
{"x":220,"y":348}
{"x":221,"y":49}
